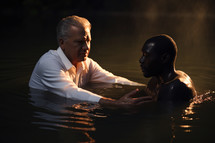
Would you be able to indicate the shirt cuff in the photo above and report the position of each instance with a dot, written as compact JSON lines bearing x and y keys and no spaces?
{"x":94,"y":98}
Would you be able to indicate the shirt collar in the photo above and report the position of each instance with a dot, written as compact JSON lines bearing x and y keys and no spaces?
{"x":66,"y":61}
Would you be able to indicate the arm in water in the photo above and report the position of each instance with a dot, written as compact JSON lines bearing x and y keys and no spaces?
{"x":126,"y":102}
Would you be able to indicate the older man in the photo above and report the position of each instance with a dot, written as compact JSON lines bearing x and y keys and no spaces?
{"x":65,"y":70}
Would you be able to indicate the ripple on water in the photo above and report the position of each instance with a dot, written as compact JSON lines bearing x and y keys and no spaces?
{"x":53,"y":112}
{"x":191,"y":118}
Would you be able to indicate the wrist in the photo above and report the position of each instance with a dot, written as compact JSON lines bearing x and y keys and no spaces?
{"x":107,"y":102}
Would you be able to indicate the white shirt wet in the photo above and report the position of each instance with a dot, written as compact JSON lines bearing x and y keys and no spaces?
{"x":55,"y":73}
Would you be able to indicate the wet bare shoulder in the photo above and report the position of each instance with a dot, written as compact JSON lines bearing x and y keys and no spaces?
{"x":184,"y":78}
{"x":177,"y":90}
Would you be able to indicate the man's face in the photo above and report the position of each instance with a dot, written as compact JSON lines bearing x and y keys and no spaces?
{"x":77,"y":46}
{"x":150,"y":61}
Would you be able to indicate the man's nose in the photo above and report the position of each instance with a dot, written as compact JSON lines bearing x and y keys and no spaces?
{"x":142,"y":60}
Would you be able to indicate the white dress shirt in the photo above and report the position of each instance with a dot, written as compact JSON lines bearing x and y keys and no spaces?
{"x":55,"y":73}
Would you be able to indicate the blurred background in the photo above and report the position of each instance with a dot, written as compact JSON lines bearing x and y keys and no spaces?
{"x":119,"y":29}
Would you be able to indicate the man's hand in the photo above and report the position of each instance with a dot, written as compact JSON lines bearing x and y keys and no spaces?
{"x":127,"y":102}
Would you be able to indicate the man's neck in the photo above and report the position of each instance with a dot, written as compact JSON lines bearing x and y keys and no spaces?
{"x":75,"y":64}
{"x":167,"y":75}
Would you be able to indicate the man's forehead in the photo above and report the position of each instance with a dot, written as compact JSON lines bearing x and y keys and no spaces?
{"x":148,"y":47}
{"x":81,"y":32}
{"x":87,"y":33}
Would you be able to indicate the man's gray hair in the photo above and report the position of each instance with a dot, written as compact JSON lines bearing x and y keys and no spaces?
{"x":64,"y":26}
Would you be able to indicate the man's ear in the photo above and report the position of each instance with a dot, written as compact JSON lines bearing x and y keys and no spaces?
{"x":61,"y":43}
{"x":165,"y":58}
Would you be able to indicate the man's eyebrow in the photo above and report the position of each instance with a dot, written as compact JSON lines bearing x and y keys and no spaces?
{"x":81,"y":38}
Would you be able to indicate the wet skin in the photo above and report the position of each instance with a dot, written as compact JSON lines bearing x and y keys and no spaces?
{"x":166,"y":83}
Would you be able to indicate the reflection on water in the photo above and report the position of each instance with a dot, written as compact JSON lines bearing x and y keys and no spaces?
{"x":190,"y":120}
{"x":55,"y":111}
{"x":189,"y":113}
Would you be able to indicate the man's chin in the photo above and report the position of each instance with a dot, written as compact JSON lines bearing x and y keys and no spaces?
{"x":82,"y":59}
{"x":85,"y":58}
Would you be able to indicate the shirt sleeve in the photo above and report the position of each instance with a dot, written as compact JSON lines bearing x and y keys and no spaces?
{"x":59,"y":82}
{"x":101,"y":75}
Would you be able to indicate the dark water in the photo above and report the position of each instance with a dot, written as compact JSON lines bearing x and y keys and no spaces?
{"x":116,"y":46}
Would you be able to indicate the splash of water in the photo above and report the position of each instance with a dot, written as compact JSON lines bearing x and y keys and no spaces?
{"x":207,"y":96}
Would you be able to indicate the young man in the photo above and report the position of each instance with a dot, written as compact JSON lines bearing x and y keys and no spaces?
{"x":65,"y":70}
{"x":158,"y":61}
